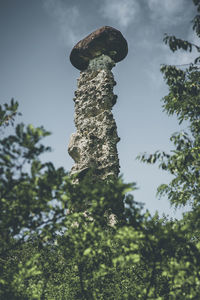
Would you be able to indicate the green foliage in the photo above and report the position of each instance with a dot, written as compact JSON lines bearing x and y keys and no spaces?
{"x":28,"y":190}
{"x":8,"y":112}
{"x":27,"y":186}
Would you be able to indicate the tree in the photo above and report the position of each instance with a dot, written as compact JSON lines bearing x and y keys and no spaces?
{"x":183,"y":100}
{"x":27,"y":189}
{"x":183,"y":163}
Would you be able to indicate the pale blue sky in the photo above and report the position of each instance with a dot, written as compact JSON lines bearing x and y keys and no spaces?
{"x":36,"y":38}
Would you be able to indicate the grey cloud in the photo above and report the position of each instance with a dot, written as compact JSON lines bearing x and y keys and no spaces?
{"x":123,"y":12}
{"x":168,"y":12}
{"x":67,"y":18}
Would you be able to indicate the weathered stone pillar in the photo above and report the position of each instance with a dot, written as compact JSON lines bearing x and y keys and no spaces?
{"x":94,"y":145}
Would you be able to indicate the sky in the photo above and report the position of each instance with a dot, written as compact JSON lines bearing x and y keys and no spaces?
{"x":36,"y":39}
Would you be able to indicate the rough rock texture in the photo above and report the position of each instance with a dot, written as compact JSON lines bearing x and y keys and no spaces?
{"x":93,"y":146}
{"x":105,"y":40}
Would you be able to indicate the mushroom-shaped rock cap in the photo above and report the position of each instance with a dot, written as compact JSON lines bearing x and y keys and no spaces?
{"x":105,"y":40}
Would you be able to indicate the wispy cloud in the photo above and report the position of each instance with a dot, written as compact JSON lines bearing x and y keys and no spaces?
{"x":123,"y":12}
{"x":168,"y":11}
{"x":164,"y":55}
{"x":167,"y":6}
{"x":67,"y":18}
{"x":165,"y":14}
{"x":180,"y":59}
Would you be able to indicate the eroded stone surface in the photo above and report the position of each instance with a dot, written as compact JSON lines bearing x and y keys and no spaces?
{"x":105,"y":40}
{"x":94,"y":143}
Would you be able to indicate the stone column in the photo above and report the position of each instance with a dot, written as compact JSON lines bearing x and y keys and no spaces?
{"x":94,"y":145}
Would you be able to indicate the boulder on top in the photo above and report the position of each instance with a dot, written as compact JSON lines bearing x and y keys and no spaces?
{"x":105,"y":40}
